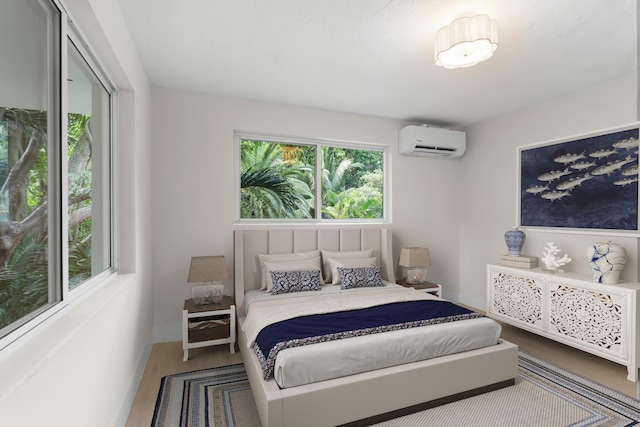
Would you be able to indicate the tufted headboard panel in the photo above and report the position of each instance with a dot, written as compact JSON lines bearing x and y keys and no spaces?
{"x":249,"y":243}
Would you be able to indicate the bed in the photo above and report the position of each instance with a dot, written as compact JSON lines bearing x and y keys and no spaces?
{"x":379,"y":393}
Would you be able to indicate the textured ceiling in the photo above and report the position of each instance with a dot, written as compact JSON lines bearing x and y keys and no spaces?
{"x":375,"y":57}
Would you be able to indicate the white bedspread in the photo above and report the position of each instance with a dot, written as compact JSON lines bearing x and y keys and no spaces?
{"x":339,"y":358}
{"x":266,"y":312}
{"x":333,"y":359}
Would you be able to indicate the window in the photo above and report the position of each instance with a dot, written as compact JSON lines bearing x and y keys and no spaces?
{"x":88,"y":171}
{"x":306,"y":180}
{"x":55,"y":165}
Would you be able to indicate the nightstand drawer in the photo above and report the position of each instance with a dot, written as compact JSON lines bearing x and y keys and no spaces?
{"x":209,"y":330}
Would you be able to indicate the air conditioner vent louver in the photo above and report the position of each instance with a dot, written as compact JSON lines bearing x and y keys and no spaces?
{"x":431,"y":147}
{"x":431,"y":142}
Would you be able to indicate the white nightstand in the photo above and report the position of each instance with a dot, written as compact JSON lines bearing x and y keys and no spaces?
{"x":210,"y":324}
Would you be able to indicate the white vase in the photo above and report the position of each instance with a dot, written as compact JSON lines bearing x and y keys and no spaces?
{"x":607,"y":260}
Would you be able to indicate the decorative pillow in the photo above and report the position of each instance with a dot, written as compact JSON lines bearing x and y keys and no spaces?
{"x":327,"y":255}
{"x":262,"y":258}
{"x":295,"y":281}
{"x":348,"y":263}
{"x":360,"y":277}
{"x":299,"y":265}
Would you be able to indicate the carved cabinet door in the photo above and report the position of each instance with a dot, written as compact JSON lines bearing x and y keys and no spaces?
{"x":518,"y":298}
{"x":593,"y":318}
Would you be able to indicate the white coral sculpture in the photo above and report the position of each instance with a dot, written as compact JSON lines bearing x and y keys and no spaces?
{"x":550,"y":259}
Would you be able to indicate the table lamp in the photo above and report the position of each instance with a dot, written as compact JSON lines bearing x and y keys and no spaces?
{"x":415,"y":262}
{"x":207,"y":269}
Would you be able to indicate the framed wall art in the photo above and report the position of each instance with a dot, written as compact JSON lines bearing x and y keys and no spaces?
{"x":586,"y":183}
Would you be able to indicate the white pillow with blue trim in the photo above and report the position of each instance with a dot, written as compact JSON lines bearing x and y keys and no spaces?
{"x":327,"y":273}
{"x":287,"y":257}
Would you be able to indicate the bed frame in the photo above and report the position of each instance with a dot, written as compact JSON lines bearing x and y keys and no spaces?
{"x":361,"y":398}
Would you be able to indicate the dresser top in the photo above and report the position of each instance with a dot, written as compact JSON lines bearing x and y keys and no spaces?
{"x":581,"y":279}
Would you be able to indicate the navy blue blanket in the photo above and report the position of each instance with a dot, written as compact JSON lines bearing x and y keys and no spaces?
{"x":344,"y":324}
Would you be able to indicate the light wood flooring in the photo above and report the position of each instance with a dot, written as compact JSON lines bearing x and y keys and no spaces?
{"x":166,"y":359}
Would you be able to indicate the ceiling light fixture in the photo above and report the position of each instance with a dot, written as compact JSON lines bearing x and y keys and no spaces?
{"x":466,"y":41}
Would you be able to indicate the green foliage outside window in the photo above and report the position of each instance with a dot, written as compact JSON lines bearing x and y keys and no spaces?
{"x":277,"y":180}
{"x":274,"y":183}
{"x":23,"y":209}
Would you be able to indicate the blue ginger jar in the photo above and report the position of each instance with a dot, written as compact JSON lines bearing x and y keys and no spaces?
{"x":515,"y":240}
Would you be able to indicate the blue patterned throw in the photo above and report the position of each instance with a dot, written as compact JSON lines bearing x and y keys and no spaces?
{"x":345,"y":324}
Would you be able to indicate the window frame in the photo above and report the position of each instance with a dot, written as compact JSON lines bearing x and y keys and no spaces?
{"x":319,"y":144}
{"x":75,"y":37}
{"x":60,"y":33}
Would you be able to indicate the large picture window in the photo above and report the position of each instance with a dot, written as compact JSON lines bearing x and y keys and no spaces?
{"x":291,"y":180}
{"x":56,"y":110}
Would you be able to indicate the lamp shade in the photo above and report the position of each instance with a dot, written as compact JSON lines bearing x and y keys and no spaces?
{"x":414,"y":257}
{"x":207,"y":269}
{"x":466,"y":41}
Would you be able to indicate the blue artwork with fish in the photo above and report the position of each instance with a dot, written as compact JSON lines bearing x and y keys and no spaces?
{"x":587,"y":183}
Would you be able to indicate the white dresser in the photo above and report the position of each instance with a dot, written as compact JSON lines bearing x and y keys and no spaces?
{"x":601,"y":319}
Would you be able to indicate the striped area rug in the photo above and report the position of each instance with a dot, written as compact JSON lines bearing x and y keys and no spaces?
{"x":544,"y":395}
{"x":217,"y":397}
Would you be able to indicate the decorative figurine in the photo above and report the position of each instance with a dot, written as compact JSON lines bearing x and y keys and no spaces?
{"x":551,"y":260}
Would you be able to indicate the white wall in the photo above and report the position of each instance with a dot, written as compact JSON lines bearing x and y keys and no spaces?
{"x":458,"y":208}
{"x":193,"y":190}
{"x":82,"y":366}
{"x":488,"y":187}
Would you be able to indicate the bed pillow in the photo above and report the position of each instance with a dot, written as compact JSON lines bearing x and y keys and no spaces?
{"x":262,"y":258}
{"x":298,"y":265}
{"x":327,"y":255}
{"x":295,"y":281}
{"x":360,"y":277}
{"x":348,"y":263}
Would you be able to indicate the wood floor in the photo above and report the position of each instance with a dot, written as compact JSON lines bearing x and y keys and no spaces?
{"x":166,"y":359}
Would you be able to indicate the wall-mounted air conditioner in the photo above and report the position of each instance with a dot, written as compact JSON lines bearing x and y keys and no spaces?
{"x":428,"y":141}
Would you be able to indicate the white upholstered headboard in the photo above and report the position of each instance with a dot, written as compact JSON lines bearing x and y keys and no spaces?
{"x":249,"y":243}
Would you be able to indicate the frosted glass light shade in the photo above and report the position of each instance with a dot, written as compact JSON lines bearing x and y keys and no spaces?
{"x":466,"y":41}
